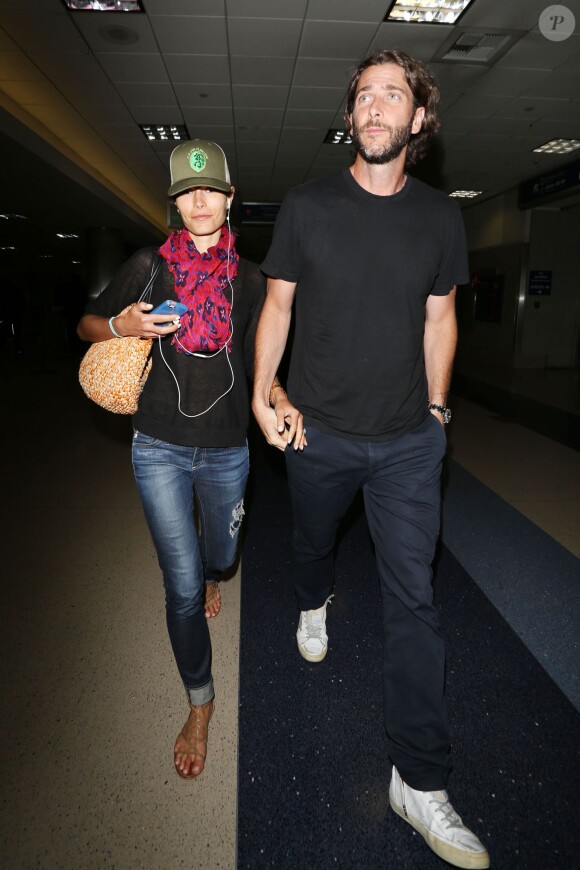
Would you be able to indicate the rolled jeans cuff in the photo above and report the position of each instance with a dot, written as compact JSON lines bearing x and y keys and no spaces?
{"x":200,"y":696}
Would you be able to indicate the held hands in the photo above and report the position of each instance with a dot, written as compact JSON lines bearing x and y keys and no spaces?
{"x":282,"y":425}
{"x":139,"y":323}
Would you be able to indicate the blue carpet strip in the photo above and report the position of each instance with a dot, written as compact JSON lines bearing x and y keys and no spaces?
{"x":313,"y":770}
{"x":532,"y":580}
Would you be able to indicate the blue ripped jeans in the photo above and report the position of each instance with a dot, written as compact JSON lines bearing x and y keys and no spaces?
{"x":175,"y":484}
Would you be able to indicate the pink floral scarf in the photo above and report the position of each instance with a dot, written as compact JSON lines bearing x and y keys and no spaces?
{"x":200,"y":281}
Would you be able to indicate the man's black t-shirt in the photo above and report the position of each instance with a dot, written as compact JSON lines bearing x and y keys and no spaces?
{"x":364,"y":266}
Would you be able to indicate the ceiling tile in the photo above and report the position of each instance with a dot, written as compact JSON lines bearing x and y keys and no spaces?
{"x":189,"y":68}
{"x":307,"y":136}
{"x":420,"y":41}
{"x":106,"y":32}
{"x":335,"y":39}
{"x":260,"y":96}
{"x":572,"y":62}
{"x":324,"y":73}
{"x":456,"y":77}
{"x":207,"y":116}
{"x":249,"y":117}
{"x":221,"y":133}
{"x":204,"y":95}
{"x":546,"y":86}
{"x":503,"y":15}
{"x":308,"y":118}
{"x":297,"y":154}
{"x":99,"y":113}
{"x":154,"y":114}
{"x":50,"y":26}
{"x":7,"y":44}
{"x":122,"y":133}
{"x":16,"y":66}
{"x":257,"y":36}
{"x":147,"y":94}
{"x":252,"y":153}
{"x":266,"y":8}
{"x":184,"y":7}
{"x":257,"y":134}
{"x":257,"y":70}
{"x":504,"y":82}
{"x":534,"y":51}
{"x":544,"y":130}
{"x":346,"y":10}
{"x":481,"y":107}
{"x":532,"y":109}
{"x":179,"y":34}
{"x":315,"y":98}
{"x":122,"y":67}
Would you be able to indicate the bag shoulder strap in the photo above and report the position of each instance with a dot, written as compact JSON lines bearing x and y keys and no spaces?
{"x":155,"y":267}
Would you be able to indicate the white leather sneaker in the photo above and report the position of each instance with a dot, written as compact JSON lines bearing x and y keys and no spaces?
{"x":431,"y":814}
{"x":311,"y":635}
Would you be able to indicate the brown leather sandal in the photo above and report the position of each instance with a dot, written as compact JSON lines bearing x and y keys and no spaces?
{"x":190,"y":748}
{"x":212,"y":600}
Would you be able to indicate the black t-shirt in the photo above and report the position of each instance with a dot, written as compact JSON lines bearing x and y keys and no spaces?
{"x":201,"y":381}
{"x":364,"y":266}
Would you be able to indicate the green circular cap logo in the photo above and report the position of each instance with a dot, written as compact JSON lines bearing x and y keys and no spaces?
{"x":197,"y":159}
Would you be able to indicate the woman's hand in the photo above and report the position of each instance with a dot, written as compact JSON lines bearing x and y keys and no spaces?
{"x":140,"y":323}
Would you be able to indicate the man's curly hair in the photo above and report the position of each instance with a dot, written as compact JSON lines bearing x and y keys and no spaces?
{"x":423,"y":87}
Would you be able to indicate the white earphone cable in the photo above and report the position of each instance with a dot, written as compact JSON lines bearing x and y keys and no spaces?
{"x":209,"y":356}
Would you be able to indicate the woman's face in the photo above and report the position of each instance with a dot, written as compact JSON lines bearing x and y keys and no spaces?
{"x":203,"y":212}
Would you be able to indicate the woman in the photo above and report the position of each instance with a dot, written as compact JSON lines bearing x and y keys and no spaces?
{"x":190,"y":453}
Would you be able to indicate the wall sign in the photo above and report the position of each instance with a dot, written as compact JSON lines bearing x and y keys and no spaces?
{"x":540,"y":283}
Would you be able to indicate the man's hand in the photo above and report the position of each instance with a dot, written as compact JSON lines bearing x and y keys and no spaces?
{"x":282,"y":425}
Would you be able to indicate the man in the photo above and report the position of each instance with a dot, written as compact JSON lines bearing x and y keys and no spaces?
{"x":372,"y":257}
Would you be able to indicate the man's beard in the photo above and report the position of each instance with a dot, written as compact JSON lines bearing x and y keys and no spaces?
{"x":377,"y":154}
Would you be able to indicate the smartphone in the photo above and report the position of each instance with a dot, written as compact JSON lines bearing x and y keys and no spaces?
{"x":170,"y":306}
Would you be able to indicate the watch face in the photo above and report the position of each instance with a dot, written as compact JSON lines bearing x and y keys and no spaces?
{"x":446,"y":415}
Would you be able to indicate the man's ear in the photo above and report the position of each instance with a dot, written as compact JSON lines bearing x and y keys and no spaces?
{"x":418,"y":119}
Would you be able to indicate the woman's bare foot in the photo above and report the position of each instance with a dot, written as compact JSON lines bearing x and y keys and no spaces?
{"x":191,"y":745}
{"x":212,"y":600}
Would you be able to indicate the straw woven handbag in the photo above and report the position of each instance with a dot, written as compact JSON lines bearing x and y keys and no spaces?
{"x":113,"y":372}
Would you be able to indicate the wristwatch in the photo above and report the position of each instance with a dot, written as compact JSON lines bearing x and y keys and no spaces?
{"x":446,"y":412}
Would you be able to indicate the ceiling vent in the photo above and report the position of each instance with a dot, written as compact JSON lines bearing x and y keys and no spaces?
{"x":477,"y":46}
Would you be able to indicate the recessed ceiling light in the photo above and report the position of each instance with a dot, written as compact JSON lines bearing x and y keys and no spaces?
{"x":164,"y":132}
{"x":67,"y":235}
{"x":103,"y":5}
{"x":7,"y":248}
{"x":338,"y":137}
{"x":427,"y":11}
{"x":6,"y":216}
{"x":558,"y":146}
{"x":466,"y":194}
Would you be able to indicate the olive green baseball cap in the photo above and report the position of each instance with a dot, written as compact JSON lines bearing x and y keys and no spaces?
{"x":198,"y":163}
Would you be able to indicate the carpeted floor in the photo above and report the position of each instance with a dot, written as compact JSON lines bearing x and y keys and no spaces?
{"x":313,"y":771}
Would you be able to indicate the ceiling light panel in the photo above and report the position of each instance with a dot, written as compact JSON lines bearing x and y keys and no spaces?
{"x":103,"y":5}
{"x":466,"y":194}
{"x":338,"y":137}
{"x":427,"y":11}
{"x":164,"y":132}
{"x":558,"y":146}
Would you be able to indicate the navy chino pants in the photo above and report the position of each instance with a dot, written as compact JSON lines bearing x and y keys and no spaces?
{"x":400,"y":480}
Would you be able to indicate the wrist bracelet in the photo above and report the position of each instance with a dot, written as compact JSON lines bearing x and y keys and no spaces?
{"x":112,"y":328}
{"x":272,"y":391}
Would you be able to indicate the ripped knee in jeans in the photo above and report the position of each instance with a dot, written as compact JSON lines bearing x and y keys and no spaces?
{"x":237,"y":517}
